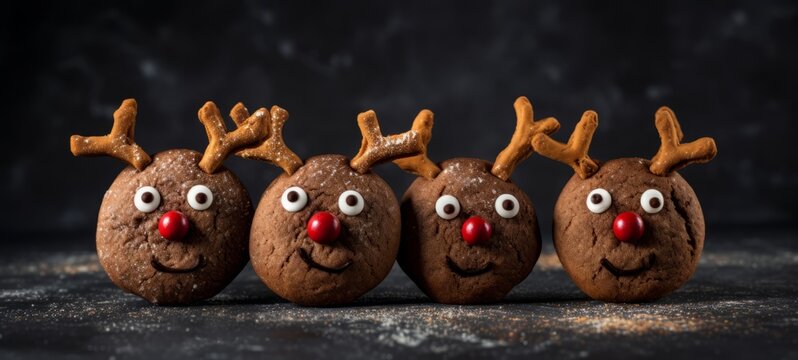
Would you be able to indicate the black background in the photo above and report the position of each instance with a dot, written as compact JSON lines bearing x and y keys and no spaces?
{"x":726,"y":68}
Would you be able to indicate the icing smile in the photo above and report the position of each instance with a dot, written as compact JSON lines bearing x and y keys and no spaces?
{"x":467,"y":272}
{"x":628,"y":272}
{"x":163,"y":268}
{"x":313,"y":264}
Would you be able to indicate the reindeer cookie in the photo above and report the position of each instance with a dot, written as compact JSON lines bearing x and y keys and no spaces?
{"x":327,"y":230}
{"x":469,"y":235}
{"x":173,"y":228}
{"x":628,"y":230}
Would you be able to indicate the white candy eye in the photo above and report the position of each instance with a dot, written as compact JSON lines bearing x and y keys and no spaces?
{"x":598,"y":201}
{"x":294,"y":199}
{"x":652,"y":201}
{"x":351,"y":202}
{"x":507,"y":206}
{"x":147,"y":199}
{"x":447,"y":207}
{"x":200,"y":197}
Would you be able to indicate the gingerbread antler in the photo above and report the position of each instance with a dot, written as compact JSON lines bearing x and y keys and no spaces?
{"x":220,"y":142}
{"x":420,"y":164}
{"x":376,"y":148}
{"x":574,"y":153}
{"x":520,"y":146}
{"x":119,"y":143}
{"x":672,"y":154}
{"x":273,"y":149}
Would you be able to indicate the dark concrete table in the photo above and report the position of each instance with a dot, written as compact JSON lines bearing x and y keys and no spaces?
{"x":742,"y":303}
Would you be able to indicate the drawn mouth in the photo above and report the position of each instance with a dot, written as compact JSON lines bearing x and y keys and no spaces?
{"x":163,"y":268}
{"x":467,"y":272}
{"x":334,"y":270}
{"x":628,"y":272}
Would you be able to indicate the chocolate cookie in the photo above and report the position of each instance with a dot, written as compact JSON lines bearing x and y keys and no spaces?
{"x":469,"y":235}
{"x":179,"y":269}
{"x":660,"y":261}
{"x":173,"y":229}
{"x":327,"y":231}
{"x":456,"y":269}
{"x":329,"y":269}
{"x":628,"y":230}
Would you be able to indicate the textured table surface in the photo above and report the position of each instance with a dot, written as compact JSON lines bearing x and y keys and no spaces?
{"x":742,"y":303}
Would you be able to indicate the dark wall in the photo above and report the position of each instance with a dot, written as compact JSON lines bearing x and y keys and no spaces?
{"x":727,"y":69}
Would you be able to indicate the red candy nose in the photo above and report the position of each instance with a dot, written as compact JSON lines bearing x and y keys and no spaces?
{"x":476,"y":230}
{"x":628,"y":226}
{"x":173,"y":225}
{"x":323,"y":227}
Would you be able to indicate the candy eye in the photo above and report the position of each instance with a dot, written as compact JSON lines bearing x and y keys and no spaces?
{"x":652,"y":201}
{"x":200,"y":197}
{"x":447,"y":207}
{"x":147,"y":199}
{"x":351,"y":202}
{"x":507,"y":206}
{"x":598,"y":201}
{"x":294,"y":199}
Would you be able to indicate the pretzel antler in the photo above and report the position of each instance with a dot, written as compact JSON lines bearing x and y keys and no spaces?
{"x":420,"y":164}
{"x":220,"y":142}
{"x":672,"y":154}
{"x":574,"y":153}
{"x":376,"y":148}
{"x":119,"y":143}
{"x":520,"y":146}
{"x":273,"y":149}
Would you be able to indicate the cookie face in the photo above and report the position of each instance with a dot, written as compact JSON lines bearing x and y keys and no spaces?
{"x":443,"y":253}
{"x":172,"y":233}
{"x":325,"y":235}
{"x":627,"y":235}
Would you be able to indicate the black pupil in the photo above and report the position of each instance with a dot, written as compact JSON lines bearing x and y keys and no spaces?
{"x":201,"y":198}
{"x":351,"y":200}
{"x":596,"y":198}
{"x":654,"y":202}
{"x":448,"y":208}
{"x":147,"y":197}
{"x":293,"y":196}
{"x":508,"y":204}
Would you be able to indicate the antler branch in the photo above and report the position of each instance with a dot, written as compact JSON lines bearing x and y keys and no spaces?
{"x":420,"y":164}
{"x":520,"y":146}
{"x":672,"y":154}
{"x":376,"y":148}
{"x":574,"y":153}
{"x":273,"y":149}
{"x":119,"y":143}
{"x":220,"y":142}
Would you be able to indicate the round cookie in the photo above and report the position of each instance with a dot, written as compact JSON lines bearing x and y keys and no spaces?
{"x":628,"y":230}
{"x":308,"y":272}
{"x":608,"y":269}
{"x":433,"y":252}
{"x":173,"y":228}
{"x":327,"y":230}
{"x":469,"y":235}
{"x":140,"y":260}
